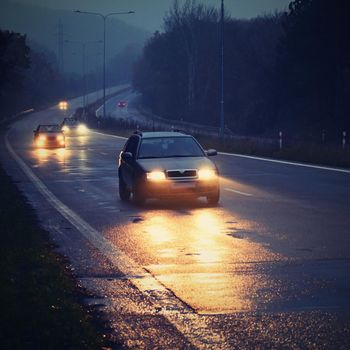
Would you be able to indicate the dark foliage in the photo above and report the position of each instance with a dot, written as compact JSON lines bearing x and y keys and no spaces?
{"x":29,"y":77}
{"x":14,"y":60}
{"x":286,"y":71}
{"x":314,"y":67}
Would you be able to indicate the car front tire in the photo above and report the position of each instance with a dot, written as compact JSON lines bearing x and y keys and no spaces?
{"x":124,"y":193}
{"x":213,"y":198}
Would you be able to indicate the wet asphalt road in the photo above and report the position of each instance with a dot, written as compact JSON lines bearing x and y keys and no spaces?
{"x":267,"y":268}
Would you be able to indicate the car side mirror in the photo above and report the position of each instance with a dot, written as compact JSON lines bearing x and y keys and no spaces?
{"x":211,"y":152}
{"x":126,"y":156}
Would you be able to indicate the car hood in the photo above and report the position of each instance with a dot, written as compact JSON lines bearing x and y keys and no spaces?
{"x":48,"y":134}
{"x":175,"y":163}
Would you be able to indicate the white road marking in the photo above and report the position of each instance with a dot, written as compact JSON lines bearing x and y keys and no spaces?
{"x":286,"y":162}
{"x":148,"y":284}
{"x":104,"y":153}
{"x":238,"y":192}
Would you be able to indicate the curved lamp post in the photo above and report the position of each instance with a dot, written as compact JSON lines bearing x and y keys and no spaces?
{"x":104,"y":17}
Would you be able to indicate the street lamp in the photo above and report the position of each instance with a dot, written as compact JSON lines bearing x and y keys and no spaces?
{"x":222,"y":115}
{"x":104,"y":17}
{"x":83,"y":46}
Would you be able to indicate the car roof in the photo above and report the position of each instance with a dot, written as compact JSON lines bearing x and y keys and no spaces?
{"x":154,"y":134}
{"x":49,"y":127}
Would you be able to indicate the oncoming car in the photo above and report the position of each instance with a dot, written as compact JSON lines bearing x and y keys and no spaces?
{"x":73,"y":126}
{"x":47,"y":136}
{"x":166,"y":164}
{"x":122,"y":104}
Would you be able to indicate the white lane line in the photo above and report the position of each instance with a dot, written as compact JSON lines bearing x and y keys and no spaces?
{"x":260,"y":158}
{"x":104,"y":153}
{"x":286,"y":162}
{"x":148,"y":283}
{"x":238,"y":192}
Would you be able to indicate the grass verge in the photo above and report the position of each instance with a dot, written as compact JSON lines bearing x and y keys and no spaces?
{"x":40,"y":298}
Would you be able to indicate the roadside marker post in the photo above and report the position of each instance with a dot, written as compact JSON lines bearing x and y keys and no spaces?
{"x":344,"y":139}
{"x":280,"y":139}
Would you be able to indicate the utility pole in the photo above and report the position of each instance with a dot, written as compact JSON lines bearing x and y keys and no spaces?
{"x":222,"y":114}
{"x":60,"y":47}
{"x":83,"y":51}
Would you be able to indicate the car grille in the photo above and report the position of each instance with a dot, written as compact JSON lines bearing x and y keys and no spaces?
{"x":182,"y":174}
{"x":52,"y":138}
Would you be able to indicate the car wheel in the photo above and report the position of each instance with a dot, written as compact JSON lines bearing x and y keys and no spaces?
{"x":213,"y":198}
{"x":124,"y":193}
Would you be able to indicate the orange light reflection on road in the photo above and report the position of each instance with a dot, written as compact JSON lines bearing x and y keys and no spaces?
{"x":41,"y":154}
{"x":57,"y":155}
{"x":207,"y":225}
{"x":203,"y":256}
{"x":82,"y":140}
{"x":157,"y":230}
{"x":62,"y":155}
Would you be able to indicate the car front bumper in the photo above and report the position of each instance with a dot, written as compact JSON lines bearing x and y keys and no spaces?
{"x":168,"y":188}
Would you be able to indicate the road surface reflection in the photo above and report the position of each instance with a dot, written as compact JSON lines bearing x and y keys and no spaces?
{"x":55,"y":156}
{"x":204,"y":255}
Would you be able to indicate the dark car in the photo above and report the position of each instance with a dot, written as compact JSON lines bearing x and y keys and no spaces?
{"x":166,"y":164}
{"x":72,"y":126}
{"x":122,"y":104}
{"x":47,"y":136}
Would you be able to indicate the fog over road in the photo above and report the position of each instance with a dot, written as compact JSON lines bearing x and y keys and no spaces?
{"x":268,"y":267}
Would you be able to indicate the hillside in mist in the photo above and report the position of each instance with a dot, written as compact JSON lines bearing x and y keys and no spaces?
{"x":40,"y":24}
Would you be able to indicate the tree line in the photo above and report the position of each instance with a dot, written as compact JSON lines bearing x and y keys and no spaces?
{"x":29,"y":76}
{"x":286,"y":71}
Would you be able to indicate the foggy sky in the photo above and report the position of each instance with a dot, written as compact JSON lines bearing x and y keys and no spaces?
{"x":149,"y":13}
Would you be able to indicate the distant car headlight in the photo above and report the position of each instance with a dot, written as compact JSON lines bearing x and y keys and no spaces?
{"x":155,"y":176}
{"x":41,"y":140}
{"x":82,"y":129}
{"x":65,"y":128}
{"x":63,"y":105}
{"x":207,"y":174}
{"x":60,"y":138}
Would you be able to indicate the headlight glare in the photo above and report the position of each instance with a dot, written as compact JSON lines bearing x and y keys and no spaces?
{"x":82,"y":128}
{"x":156,"y":176}
{"x":207,"y":174}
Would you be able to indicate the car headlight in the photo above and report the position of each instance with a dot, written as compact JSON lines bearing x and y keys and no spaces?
{"x":155,"y":176}
{"x":65,"y":128}
{"x":82,"y":128}
{"x":60,"y":138}
{"x":63,"y":105}
{"x":207,"y":174}
{"x":41,"y":140}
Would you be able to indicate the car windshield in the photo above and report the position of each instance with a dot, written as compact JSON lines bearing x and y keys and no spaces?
{"x":166,"y":147}
{"x":70,"y":122}
{"x":49,"y":128}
